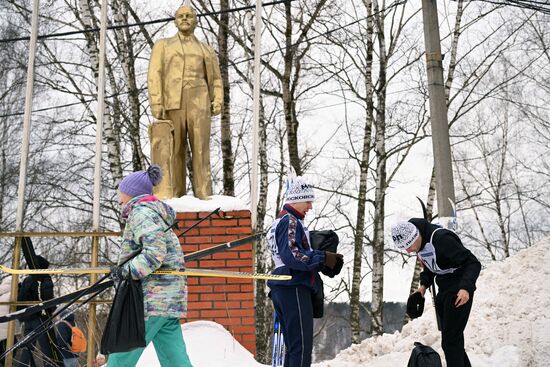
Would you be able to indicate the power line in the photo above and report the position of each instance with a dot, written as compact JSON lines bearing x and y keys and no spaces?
{"x":523,"y":4}
{"x":396,"y":3}
{"x":129,"y":25}
{"x":330,"y":31}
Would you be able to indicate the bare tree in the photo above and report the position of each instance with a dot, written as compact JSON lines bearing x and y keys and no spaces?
{"x":366,"y":73}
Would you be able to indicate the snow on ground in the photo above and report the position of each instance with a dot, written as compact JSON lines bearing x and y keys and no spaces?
{"x":208,"y":345}
{"x":190,"y":203}
{"x":509,"y":326}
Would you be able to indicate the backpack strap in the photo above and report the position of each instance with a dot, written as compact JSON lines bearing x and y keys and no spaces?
{"x":68,"y":324}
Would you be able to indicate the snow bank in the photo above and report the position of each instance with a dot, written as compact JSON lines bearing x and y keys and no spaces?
{"x":509,"y":325}
{"x":190,"y":203}
{"x":208,"y":345}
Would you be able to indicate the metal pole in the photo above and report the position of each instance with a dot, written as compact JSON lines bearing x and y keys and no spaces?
{"x":256,"y":113}
{"x":438,"y":114}
{"x":97,"y":174}
{"x":23,"y":171}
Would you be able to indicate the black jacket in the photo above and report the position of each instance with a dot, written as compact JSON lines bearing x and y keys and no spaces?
{"x":35,"y":288}
{"x":450,"y":253}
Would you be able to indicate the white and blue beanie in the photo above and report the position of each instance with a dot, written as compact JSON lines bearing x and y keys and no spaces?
{"x":404,"y":234}
{"x":297,"y":190}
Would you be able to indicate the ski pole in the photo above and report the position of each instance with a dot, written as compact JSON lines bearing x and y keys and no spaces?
{"x":433,"y":291}
{"x":47,"y":325}
{"x":215,"y":211}
{"x":43,"y":327}
{"x":277,"y":355}
{"x":274,"y":356}
{"x":32,"y":309}
{"x":282,"y":350}
{"x":224,"y":246}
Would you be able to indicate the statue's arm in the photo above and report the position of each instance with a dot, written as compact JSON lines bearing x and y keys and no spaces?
{"x":218,"y":86}
{"x":154,"y":80}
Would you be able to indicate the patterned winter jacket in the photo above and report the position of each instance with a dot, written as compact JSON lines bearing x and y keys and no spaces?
{"x":146,"y":219}
{"x":288,"y":240}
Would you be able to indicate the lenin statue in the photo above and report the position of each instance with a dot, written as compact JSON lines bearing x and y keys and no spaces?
{"x":185,"y":90}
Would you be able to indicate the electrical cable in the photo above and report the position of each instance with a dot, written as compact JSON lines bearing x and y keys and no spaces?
{"x":396,"y":3}
{"x":522,"y":4}
{"x":129,"y":25}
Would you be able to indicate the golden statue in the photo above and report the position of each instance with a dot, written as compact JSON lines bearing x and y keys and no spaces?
{"x":185,"y":90}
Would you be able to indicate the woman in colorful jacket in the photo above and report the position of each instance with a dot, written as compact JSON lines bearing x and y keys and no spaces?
{"x":147,"y":220}
{"x":455,"y":270}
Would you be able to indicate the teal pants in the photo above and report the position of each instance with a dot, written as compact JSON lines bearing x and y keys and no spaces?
{"x":165,"y":333}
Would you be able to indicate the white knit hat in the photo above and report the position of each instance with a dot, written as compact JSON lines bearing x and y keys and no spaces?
{"x":297,"y":189}
{"x":404,"y":234}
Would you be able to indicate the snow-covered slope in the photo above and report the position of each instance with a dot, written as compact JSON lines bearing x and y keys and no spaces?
{"x":509,"y":326}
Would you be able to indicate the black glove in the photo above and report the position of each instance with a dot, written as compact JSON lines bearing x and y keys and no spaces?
{"x":335,"y":270}
{"x":117,"y":274}
{"x":415,"y":305}
{"x":331,"y":259}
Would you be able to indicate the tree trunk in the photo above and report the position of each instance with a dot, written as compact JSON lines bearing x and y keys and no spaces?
{"x":280,"y":179}
{"x":264,"y":309}
{"x":225,"y":119}
{"x":355,"y":297}
{"x":377,"y":302}
{"x":111,"y":130}
{"x":127,"y":60}
{"x":288,"y":101}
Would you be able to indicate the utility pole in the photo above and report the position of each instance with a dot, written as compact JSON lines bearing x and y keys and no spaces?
{"x":438,"y":114}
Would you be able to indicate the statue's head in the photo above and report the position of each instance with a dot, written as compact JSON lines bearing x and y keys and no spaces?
{"x":186,"y":19}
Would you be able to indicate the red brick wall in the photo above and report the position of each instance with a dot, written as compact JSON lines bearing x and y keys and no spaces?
{"x":229,"y":302}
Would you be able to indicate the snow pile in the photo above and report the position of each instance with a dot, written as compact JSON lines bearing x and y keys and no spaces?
{"x":190,"y":203}
{"x":509,"y":325}
{"x":208,"y":345}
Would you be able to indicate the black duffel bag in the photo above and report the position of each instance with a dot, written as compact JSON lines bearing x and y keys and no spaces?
{"x":327,"y":240}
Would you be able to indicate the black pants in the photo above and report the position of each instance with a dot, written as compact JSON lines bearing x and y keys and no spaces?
{"x":453,"y":322}
{"x":295,"y":312}
{"x":48,"y":353}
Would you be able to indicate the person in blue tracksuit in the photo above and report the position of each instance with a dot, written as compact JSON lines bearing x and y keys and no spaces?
{"x":288,"y":240}
{"x":454,"y":268}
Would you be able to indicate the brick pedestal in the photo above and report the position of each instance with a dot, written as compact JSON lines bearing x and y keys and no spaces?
{"x":229,"y":302}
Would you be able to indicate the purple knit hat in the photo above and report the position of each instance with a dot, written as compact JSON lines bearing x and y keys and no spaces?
{"x":141,"y":182}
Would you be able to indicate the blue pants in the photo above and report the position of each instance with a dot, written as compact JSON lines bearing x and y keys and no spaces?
{"x":165,"y":333}
{"x":295,"y":312}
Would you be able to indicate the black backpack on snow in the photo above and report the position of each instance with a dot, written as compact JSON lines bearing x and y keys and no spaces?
{"x":424,"y":356}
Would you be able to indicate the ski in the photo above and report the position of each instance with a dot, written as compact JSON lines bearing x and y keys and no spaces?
{"x":278,"y":352}
{"x":33,"y":309}
{"x":222,"y":247}
{"x":82,"y":292}
{"x":454,"y":222}
{"x":187,"y":272}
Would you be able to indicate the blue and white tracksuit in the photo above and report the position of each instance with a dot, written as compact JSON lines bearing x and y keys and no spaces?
{"x":288,"y":240}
